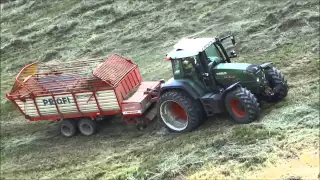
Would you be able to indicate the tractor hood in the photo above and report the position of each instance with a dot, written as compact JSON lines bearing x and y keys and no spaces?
{"x":232,"y":66}
{"x":248,"y":75}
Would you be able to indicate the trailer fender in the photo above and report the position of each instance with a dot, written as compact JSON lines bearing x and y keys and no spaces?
{"x":179,"y":85}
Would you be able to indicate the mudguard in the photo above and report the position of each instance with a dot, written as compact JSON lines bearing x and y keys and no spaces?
{"x":214,"y":103}
{"x":180,"y":85}
{"x":265,"y":65}
{"x":231,"y":87}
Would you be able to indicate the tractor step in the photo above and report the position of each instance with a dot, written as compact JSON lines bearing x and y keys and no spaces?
{"x":212,"y":103}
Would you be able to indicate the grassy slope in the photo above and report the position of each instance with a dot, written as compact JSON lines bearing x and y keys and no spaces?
{"x":286,"y":137}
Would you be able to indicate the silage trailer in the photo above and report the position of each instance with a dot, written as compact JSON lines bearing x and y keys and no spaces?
{"x":81,"y":92}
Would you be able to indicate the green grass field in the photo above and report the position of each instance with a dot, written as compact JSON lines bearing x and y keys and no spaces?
{"x":283,"y":144}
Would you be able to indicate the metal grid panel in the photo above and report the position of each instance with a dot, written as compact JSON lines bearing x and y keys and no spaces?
{"x":114,"y":69}
{"x":74,"y":76}
{"x":25,"y":73}
{"x":56,"y":78}
{"x":57,"y":84}
{"x":79,"y":67}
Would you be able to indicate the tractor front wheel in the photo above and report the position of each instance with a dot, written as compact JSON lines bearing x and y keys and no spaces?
{"x":68,"y":127}
{"x":242,"y":105}
{"x":179,"y":112}
{"x":87,"y":126}
{"x":276,"y":81}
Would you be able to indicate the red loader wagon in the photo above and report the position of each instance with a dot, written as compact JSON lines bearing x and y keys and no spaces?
{"x":83,"y":91}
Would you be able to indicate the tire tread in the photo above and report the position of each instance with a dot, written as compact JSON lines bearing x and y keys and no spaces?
{"x":250,"y":103}
{"x":275,"y":77}
{"x":192,"y":108}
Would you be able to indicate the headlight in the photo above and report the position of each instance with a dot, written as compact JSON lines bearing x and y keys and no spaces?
{"x":258,"y":79}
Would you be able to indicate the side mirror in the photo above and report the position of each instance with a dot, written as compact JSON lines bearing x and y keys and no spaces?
{"x":233,"y":40}
{"x":233,"y":54}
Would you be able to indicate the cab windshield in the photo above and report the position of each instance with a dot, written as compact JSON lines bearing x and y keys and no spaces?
{"x":214,"y":54}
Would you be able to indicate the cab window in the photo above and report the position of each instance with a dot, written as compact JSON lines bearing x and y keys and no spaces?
{"x":188,"y":65}
{"x":213,"y":53}
{"x":176,"y":67}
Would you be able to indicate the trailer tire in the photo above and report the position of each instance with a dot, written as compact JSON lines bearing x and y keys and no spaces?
{"x":68,"y":127}
{"x":87,"y":127}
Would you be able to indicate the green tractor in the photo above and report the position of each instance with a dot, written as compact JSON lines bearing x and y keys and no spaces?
{"x":205,"y":82}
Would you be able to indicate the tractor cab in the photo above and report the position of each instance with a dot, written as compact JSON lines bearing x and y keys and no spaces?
{"x":195,"y":58}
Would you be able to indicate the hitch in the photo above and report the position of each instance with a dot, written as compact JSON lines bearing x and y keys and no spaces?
{"x":154,"y":94}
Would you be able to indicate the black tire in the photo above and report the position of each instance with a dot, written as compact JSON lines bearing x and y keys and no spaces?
{"x":191,"y":108}
{"x":276,"y":78}
{"x":87,"y":127}
{"x":68,"y":127}
{"x":242,"y":105}
{"x":108,"y":118}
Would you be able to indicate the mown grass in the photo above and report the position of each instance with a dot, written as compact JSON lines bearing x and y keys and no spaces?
{"x":285,"y":137}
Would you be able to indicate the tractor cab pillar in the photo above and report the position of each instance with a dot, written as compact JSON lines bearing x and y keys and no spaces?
{"x":207,"y":76}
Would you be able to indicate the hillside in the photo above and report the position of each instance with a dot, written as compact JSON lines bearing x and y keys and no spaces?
{"x":283,"y":144}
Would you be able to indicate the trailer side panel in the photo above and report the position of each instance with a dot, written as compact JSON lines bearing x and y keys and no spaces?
{"x":86,"y":102}
{"x":28,"y":107}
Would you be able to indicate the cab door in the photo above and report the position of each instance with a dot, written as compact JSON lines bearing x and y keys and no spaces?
{"x":193,"y":70}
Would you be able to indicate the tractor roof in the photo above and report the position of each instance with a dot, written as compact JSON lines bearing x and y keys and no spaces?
{"x":187,"y":47}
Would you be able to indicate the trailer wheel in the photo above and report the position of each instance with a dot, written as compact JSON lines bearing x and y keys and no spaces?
{"x":242,"y":105}
{"x":68,"y":127}
{"x":87,"y":127}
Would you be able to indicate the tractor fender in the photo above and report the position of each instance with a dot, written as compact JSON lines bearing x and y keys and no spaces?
{"x":266,"y":65}
{"x":231,"y":87}
{"x":180,"y":85}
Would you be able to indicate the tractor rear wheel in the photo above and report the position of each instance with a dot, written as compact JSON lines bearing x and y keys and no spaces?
{"x":179,"y":112}
{"x":68,"y":127}
{"x":276,"y":81}
{"x":242,"y":105}
{"x":87,"y":127}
